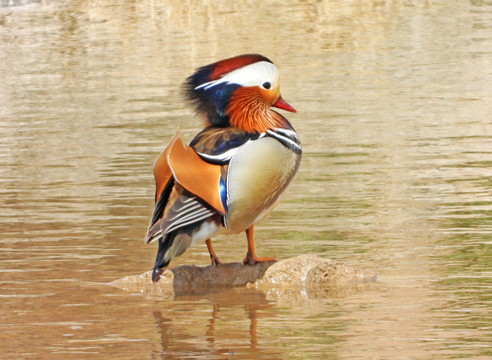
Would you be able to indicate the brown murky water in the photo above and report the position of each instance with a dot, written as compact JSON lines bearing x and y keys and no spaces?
{"x":394,"y":104}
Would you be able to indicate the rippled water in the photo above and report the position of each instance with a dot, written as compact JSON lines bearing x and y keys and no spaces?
{"x":394,"y":101}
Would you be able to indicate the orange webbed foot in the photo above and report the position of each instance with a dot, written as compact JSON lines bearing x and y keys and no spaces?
{"x":213,"y":257}
{"x":251,"y":257}
{"x":215,"y":260}
{"x":252,"y":260}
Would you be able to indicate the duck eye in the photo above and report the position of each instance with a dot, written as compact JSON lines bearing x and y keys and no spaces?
{"x":266,"y":85}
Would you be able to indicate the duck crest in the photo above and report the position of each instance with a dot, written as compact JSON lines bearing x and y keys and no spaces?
{"x":222,"y":67}
{"x":213,"y":101}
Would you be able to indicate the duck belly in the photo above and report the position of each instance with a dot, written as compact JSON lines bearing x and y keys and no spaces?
{"x":258,"y":174}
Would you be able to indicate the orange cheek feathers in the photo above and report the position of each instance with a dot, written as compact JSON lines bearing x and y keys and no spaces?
{"x":249,"y":109}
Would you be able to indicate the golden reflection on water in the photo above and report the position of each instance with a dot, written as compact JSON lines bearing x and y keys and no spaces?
{"x":394,"y":101}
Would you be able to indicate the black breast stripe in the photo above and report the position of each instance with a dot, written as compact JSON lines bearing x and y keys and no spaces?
{"x":287,"y":137}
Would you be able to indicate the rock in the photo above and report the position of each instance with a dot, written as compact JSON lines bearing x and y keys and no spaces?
{"x":190,"y":279}
{"x":306,"y":273}
{"x":312,"y":275}
{"x":312,"y":271}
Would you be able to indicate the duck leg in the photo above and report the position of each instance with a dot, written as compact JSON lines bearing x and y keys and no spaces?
{"x":251,"y":257}
{"x":213,"y":257}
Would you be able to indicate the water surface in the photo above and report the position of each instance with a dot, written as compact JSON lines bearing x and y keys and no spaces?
{"x":394,"y":101}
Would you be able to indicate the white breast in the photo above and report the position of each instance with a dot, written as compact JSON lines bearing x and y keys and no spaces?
{"x":258,"y":174}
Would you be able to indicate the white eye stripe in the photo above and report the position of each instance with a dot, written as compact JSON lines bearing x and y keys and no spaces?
{"x":250,"y":75}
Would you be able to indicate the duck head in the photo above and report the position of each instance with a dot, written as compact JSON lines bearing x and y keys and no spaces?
{"x":238,"y":92}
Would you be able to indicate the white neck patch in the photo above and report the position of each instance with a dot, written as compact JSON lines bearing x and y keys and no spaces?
{"x":250,"y":75}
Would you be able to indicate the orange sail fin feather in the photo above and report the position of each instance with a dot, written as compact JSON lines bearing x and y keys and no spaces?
{"x":190,"y":171}
{"x":195,"y":175}
{"x":162,"y":171}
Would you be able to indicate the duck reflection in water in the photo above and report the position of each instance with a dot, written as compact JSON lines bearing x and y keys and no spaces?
{"x":182,"y":337}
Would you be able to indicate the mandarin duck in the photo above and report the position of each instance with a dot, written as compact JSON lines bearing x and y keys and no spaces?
{"x":232,"y":173}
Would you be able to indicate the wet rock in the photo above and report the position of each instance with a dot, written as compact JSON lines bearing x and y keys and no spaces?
{"x":312,"y":277}
{"x":312,"y":271}
{"x":190,"y":279}
{"x":305,"y":273}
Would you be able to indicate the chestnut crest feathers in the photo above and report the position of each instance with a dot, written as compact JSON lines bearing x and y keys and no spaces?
{"x":262,"y":74}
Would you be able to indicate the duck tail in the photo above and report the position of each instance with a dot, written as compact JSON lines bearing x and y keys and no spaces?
{"x":171,"y":245}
